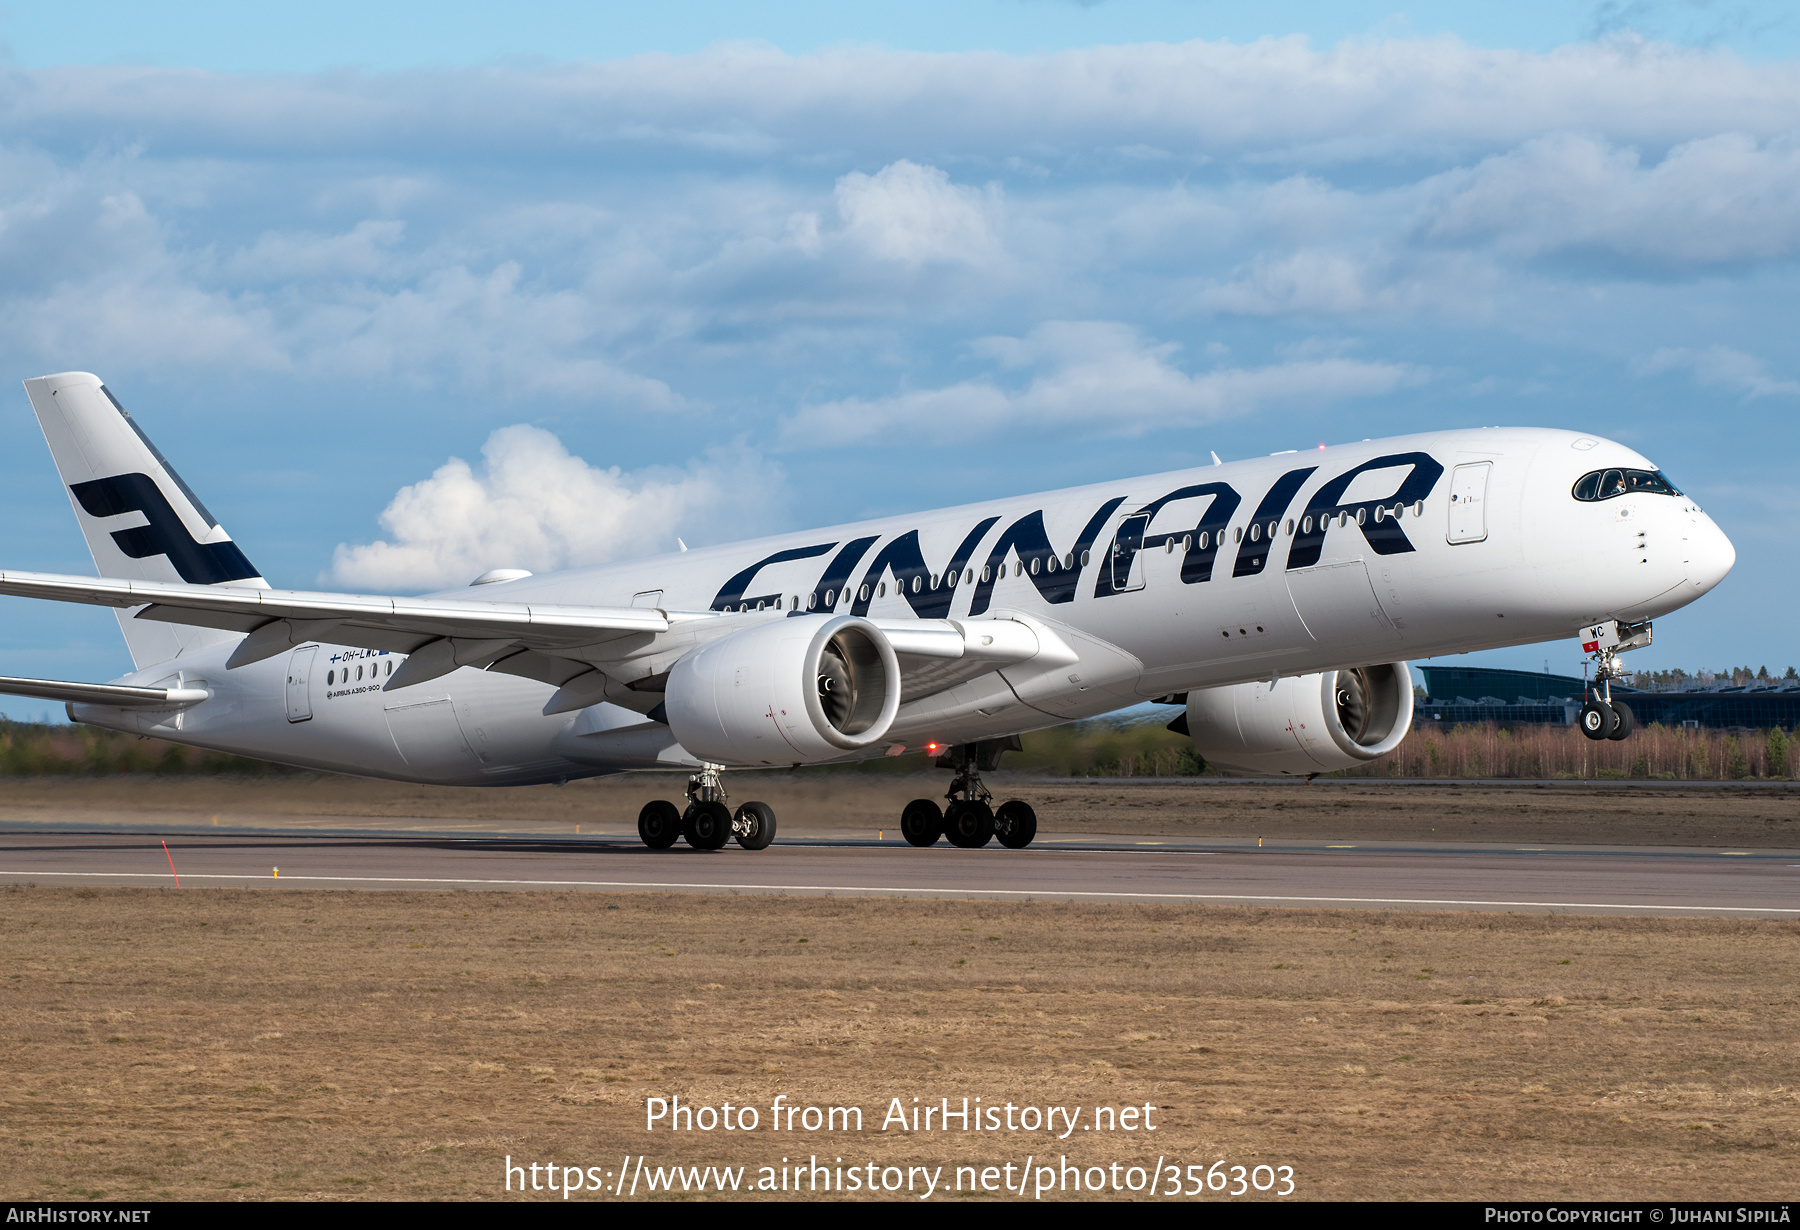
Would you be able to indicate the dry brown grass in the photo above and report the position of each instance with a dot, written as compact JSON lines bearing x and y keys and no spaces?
{"x":261,"y":1044}
{"x":1673,"y":753}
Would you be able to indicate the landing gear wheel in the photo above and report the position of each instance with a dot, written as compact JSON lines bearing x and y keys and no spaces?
{"x":969,"y":824}
{"x":922,"y":823}
{"x":1597,"y":720}
{"x":754,"y":826}
{"x":659,"y":824}
{"x":1627,"y":720}
{"x":707,"y":825}
{"x":1015,"y":824}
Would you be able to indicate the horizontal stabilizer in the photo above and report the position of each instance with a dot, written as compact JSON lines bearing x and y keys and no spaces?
{"x":103,"y":693}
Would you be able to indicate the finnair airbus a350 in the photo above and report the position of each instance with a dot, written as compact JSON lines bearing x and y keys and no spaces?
{"x":1274,"y":597}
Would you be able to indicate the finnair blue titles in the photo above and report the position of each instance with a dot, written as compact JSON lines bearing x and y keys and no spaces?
{"x":1274,"y":598}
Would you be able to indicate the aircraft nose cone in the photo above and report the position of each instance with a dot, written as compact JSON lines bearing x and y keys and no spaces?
{"x":1710,"y":554}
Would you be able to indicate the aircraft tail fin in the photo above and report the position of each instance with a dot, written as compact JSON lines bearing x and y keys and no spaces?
{"x":141,"y":521}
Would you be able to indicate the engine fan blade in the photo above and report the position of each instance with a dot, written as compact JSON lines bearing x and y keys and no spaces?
{"x":837,"y":687}
{"x":1353,"y":702}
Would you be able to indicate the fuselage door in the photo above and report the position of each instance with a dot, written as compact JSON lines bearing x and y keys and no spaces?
{"x":1468,"y":502}
{"x":1128,"y":553}
{"x":299,"y":697}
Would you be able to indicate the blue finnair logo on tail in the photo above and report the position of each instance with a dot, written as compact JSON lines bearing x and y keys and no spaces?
{"x":198,"y":563}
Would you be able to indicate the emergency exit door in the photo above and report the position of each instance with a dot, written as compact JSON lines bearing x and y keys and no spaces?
{"x":1468,"y":502}
{"x":1128,"y":554}
{"x":299,"y":697}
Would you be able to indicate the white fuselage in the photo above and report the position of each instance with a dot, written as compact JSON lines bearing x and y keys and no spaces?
{"x":1513,"y":559}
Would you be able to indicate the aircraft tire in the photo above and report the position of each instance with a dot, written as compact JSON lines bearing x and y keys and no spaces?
{"x":1015,"y":824}
{"x":659,"y":824}
{"x":1627,"y":722}
{"x":754,"y":826}
{"x":1597,"y":720}
{"x":707,"y":826}
{"x":969,"y":825}
{"x":922,"y":822}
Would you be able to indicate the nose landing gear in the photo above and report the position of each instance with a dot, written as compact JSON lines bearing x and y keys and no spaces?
{"x":1602,"y":717}
{"x":970,"y":820}
{"x":708,"y":823}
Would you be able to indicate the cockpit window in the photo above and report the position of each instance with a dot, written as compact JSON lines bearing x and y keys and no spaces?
{"x":1605,"y":484}
{"x":1651,"y":481}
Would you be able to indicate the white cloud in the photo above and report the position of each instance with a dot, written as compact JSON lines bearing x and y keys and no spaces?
{"x":91,"y":280}
{"x":1721,"y":199}
{"x":1270,"y":98}
{"x":913,"y":214}
{"x":1305,"y":281}
{"x":92,"y":276}
{"x":533,"y":505}
{"x":365,"y":250}
{"x":1723,"y":367}
{"x":1095,"y":376}
{"x":487,"y":328}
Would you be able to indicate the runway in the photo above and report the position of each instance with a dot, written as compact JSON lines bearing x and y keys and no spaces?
{"x":1651,"y":882}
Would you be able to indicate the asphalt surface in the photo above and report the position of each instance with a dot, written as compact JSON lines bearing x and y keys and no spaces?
{"x":1651,"y":882}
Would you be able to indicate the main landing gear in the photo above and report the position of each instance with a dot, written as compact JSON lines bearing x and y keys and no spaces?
{"x":970,"y":820}
{"x":708,"y":823}
{"x":1602,"y":717}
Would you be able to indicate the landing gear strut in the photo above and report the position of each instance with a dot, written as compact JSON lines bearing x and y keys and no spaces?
{"x":1602,"y":717}
{"x":707,"y":820}
{"x":708,"y":823}
{"x":970,"y":820}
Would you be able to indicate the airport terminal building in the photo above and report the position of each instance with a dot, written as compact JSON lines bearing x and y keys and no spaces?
{"x":1524,"y":698}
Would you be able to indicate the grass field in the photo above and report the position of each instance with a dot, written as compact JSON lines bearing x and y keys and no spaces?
{"x":367,"y":1045}
{"x":1130,"y":745}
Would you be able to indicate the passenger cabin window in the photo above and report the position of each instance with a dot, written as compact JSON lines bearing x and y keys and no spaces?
{"x":1605,"y":484}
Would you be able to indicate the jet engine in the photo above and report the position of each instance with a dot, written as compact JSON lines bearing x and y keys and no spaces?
{"x":1303,"y":724}
{"x":790,"y":691}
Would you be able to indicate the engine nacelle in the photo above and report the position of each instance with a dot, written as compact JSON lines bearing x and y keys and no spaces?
{"x":790,"y":691}
{"x":1303,"y":724}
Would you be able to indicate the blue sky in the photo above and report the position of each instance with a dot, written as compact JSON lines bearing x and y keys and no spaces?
{"x":329,"y":34}
{"x":410,"y":292}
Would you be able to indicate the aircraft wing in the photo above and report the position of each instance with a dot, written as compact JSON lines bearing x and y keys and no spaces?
{"x":558,"y":645}
{"x":400,"y":625}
